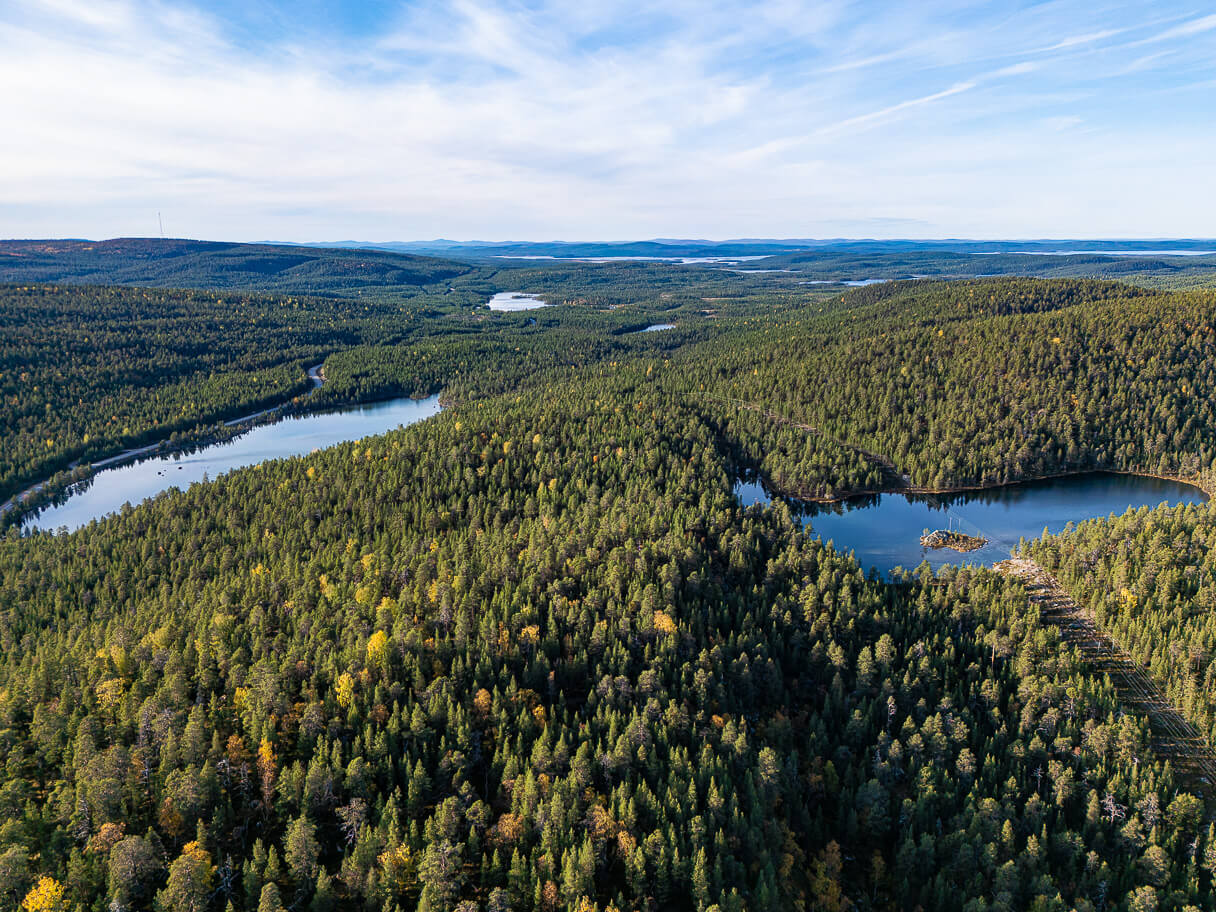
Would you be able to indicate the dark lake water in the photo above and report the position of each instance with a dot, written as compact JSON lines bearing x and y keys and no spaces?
{"x":134,"y":482}
{"x":884,"y":530}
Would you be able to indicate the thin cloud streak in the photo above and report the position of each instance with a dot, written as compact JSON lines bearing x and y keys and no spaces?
{"x":483,"y":119}
{"x":885,"y":113}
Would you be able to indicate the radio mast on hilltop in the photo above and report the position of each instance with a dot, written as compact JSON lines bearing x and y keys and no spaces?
{"x":161,"y":223}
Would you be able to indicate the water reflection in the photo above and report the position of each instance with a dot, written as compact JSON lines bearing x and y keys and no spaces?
{"x":108,"y":490}
{"x":884,"y":530}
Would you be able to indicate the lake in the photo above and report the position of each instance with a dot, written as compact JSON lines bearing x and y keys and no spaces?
{"x":514,"y":301}
{"x":884,"y":530}
{"x":655,"y":327}
{"x":109,"y":489}
{"x":851,"y":283}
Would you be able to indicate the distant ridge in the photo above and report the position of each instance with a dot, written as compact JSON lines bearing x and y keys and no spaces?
{"x":693,"y":247}
{"x":179,"y":263}
{"x":408,"y":269}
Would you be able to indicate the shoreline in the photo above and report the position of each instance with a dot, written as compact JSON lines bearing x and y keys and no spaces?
{"x":83,"y":475}
{"x":79,"y":471}
{"x":1208,"y":488}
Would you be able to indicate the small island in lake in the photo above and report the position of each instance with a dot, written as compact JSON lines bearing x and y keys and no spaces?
{"x":957,"y":541}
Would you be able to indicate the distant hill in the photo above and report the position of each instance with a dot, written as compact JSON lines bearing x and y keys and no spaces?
{"x":169,"y":263}
{"x":1161,"y":263}
{"x":658,"y":249}
{"x":695,"y":247}
{"x":352,"y":269}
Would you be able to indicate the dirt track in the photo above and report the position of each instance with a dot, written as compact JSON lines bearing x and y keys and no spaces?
{"x":1173,"y":737}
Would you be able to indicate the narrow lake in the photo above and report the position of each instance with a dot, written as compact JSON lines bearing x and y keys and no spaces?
{"x":884,"y":530}
{"x":109,"y":489}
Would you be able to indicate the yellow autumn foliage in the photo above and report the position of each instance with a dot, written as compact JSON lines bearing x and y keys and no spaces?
{"x":110,"y":693}
{"x":663,"y":622}
{"x":46,"y":896}
{"x":483,"y":702}
{"x":399,"y":866}
{"x":377,"y":648}
{"x":345,"y":690}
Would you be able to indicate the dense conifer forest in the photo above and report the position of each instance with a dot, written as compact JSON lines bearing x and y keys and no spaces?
{"x":1150,"y":577}
{"x":532,"y":654}
{"x":918,"y":385}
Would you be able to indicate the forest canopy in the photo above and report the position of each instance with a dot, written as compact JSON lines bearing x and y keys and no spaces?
{"x":532,"y":654}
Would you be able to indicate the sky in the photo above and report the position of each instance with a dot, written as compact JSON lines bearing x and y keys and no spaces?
{"x":597,"y":120}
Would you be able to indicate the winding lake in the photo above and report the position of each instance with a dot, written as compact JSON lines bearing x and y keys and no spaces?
{"x":884,"y":530}
{"x":109,"y":489}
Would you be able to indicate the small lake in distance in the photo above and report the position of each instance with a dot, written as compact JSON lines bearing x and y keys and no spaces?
{"x":134,"y":482}
{"x":884,"y":530}
{"x":514,"y":301}
{"x":655,"y":327}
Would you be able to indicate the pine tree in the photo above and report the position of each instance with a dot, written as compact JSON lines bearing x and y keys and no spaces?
{"x":270,"y":900}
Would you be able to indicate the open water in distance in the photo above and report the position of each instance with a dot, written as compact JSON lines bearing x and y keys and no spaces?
{"x":514,"y":301}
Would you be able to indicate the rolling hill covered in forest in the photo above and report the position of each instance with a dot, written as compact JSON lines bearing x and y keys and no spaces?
{"x":164,"y":263}
{"x":404,"y":271}
{"x":533,"y":654}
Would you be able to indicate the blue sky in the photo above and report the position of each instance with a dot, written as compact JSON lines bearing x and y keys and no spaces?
{"x":250,"y":119}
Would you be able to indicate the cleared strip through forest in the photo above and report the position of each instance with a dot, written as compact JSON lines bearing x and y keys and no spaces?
{"x":1173,"y":737}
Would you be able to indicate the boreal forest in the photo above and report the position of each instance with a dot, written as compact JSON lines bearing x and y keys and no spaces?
{"x":533,"y":654}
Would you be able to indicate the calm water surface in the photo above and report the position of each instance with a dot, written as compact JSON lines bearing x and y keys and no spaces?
{"x":884,"y":530}
{"x":851,"y":283}
{"x":514,"y":301}
{"x":134,"y":482}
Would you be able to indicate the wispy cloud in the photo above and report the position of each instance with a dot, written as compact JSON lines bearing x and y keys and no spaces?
{"x":1087,"y":38}
{"x":883,"y":114}
{"x":1191,"y":27}
{"x":505,"y":119}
